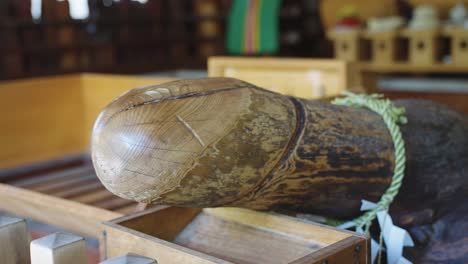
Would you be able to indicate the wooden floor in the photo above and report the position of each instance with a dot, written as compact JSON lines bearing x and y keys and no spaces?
{"x":71,"y":178}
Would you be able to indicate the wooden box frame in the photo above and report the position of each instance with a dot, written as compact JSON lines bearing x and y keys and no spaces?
{"x":151,"y":232}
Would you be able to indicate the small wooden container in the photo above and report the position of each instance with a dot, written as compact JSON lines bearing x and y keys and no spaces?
{"x":459,"y":45}
{"x":348,"y":45}
{"x":230,"y":235}
{"x":423,"y":46}
{"x":385,"y":46}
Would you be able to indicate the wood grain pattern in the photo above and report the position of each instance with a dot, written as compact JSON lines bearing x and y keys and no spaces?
{"x":257,"y":149}
{"x":239,"y":243}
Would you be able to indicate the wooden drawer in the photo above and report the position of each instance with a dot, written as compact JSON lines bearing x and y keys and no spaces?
{"x":230,"y":235}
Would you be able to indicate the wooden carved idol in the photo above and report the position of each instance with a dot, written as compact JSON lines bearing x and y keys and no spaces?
{"x":224,"y":142}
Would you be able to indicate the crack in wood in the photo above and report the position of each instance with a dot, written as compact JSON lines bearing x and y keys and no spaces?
{"x":191,"y":130}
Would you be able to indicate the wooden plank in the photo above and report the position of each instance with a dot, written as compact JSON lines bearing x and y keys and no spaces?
{"x":409,"y":68}
{"x":16,"y":175}
{"x":319,"y":233}
{"x":37,"y":115}
{"x":58,"y":248}
{"x":169,"y":220}
{"x":239,"y":243}
{"x":37,"y":180}
{"x":14,"y":240}
{"x":95,"y":185}
{"x":307,"y":78}
{"x":114,"y":203}
{"x":350,"y":250}
{"x":64,"y":183}
{"x":93,"y":197}
{"x":122,"y":239}
{"x":67,"y":214}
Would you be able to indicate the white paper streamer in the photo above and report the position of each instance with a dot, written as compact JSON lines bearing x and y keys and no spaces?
{"x":395,"y":237}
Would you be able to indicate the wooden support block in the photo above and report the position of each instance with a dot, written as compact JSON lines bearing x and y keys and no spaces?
{"x":58,"y":248}
{"x":14,"y":240}
{"x":423,"y":46}
{"x":130,"y":258}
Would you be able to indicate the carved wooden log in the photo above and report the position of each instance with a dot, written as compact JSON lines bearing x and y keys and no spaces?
{"x":223,"y":142}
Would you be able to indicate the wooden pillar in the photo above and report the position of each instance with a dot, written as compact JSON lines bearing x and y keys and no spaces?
{"x":58,"y":248}
{"x":14,"y":240}
{"x":130,"y":258}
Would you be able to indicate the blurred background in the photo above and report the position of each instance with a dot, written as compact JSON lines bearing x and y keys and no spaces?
{"x":43,"y":37}
{"x":63,"y":61}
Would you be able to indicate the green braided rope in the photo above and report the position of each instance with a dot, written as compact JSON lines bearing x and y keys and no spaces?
{"x":392,"y":116}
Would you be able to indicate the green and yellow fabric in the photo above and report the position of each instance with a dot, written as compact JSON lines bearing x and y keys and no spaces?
{"x":252,"y":27}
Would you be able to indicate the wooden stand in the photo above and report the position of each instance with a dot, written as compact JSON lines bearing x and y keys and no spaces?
{"x":14,"y":240}
{"x":130,"y":258}
{"x":231,"y":235}
{"x":58,"y":248}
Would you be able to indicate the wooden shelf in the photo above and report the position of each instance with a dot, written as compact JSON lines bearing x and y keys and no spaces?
{"x":410,"y":68}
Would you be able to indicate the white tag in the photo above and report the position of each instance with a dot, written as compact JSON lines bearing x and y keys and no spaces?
{"x":375,"y":248}
{"x":395,"y":237}
{"x":366,"y":205}
{"x":347,"y":225}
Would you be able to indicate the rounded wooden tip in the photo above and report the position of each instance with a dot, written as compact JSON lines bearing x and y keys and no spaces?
{"x":145,"y":140}
{"x":201,"y":142}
